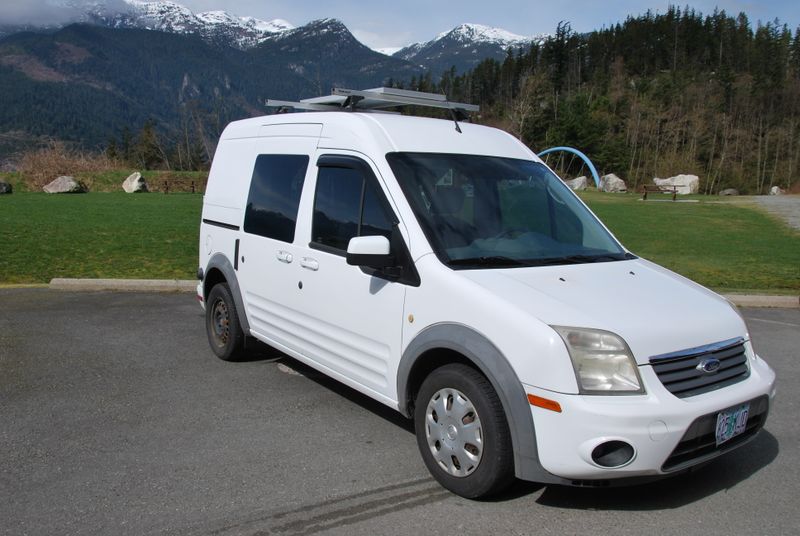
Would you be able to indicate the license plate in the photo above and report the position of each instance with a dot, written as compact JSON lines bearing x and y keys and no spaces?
{"x":731,"y":423}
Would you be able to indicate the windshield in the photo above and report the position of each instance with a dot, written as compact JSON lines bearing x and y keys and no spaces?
{"x":486,"y":211}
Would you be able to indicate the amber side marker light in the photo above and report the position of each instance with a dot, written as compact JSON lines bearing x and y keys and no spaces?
{"x":544,"y":403}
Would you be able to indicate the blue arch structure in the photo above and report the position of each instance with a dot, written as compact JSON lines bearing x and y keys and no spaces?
{"x":580,"y":155}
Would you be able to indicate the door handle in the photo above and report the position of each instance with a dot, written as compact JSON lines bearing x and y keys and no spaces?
{"x":308,"y":262}
{"x":284,"y":256}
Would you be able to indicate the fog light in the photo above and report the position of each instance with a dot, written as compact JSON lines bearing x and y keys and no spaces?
{"x":612,"y":454}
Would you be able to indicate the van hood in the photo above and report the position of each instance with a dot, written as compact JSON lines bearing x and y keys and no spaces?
{"x":655,"y":310}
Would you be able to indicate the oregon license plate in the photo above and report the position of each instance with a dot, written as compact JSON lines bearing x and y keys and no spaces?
{"x":731,"y":422}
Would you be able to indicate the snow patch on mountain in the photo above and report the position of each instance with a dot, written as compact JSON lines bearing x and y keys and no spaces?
{"x":479,"y":33}
{"x":168,"y":16}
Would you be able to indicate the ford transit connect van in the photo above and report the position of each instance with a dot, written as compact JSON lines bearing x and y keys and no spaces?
{"x":441,"y":268}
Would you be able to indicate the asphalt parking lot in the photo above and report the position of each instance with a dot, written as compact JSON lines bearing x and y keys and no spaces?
{"x":115,"y":418}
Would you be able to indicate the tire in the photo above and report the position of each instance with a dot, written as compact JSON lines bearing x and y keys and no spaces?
{"x":224,"y":332}
{"x":468,"y":448}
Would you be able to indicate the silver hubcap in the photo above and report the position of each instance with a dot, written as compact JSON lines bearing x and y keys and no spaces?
{"x":454,"y":434}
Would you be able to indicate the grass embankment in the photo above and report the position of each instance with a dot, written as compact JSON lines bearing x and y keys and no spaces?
{"x":727,"y":246}
{"x":111,"y":180}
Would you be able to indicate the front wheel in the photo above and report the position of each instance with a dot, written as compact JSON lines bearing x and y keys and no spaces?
{"x":225,"y":334}
{"x":462,"y":432}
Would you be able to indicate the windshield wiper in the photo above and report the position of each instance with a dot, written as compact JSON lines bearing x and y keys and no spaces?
{"x":495,"y":260}
{"x":584,"y":259}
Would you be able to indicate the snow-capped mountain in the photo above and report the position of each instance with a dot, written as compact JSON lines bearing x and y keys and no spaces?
{"x":464,"y":47}
{"x":218,"y":27}
{"x":215,"y":26}
{"x":478,"y":33}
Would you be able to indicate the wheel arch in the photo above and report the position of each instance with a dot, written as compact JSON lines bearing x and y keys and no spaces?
{"x":446,"y":343}
{"x":220,"y":270}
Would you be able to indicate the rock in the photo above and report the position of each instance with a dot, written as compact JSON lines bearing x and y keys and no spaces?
{"x":577,"y":184}
{"x":5,"y":188}
{"x":134,"y":183}
{"x":65,"y":185}
{"x":776,"y":190}
{"x":729,"y":191}
{"x":612,"y":183}
{"x":686,"y":184}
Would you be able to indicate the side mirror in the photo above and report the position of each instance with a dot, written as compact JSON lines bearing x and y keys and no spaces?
{"x":370,"y":252}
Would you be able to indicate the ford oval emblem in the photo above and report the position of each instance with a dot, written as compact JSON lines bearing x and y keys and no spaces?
{"x":709,"y":365}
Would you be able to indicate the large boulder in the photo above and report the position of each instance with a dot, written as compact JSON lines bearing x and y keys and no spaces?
{"x":685,"y":184}
{"x":729,"y":191}
{"x":134,"y":183}
{"x":577,"y":183}
{"x":5,"y":188}
{"x":65,"y":185}
{"x":612,"y":183}
{"x":776,"y":190}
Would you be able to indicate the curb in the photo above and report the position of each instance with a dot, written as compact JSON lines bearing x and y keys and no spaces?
{"x":189,"y":285}
{"x":125,"y":285}
{"x":750,"y":300}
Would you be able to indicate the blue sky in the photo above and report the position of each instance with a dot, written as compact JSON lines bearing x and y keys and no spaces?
{"x":397,"y":23}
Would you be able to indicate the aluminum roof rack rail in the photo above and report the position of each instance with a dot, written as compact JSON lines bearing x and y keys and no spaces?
{"x":378,"y":99}
{"x":374,"y":99}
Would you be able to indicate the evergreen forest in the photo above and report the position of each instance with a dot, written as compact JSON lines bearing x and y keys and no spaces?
{"x":653,"y":96}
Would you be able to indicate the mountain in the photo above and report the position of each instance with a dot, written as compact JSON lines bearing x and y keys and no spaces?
{"x":85,"y":83}
{"x":217,"y":27}
{"x":327,"y":54}
{"x":132,"y":61}
{"x":464,"y":47}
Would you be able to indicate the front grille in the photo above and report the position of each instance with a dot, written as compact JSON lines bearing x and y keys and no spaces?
{"x":682,"y":373}
{"x":699,"y":443}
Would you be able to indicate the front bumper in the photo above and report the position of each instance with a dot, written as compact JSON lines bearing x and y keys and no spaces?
{"x":654,"y":424}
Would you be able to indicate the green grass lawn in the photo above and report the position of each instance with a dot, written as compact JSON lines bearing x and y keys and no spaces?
{"x":116,"y":235}
{"x":727,"y":246}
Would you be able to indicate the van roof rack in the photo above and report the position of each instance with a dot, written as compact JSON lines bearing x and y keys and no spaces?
{"x":377,"y":99}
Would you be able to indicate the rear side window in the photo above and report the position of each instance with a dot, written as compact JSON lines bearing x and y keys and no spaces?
{"x":346,"y":205}
{"x":275,"y":195}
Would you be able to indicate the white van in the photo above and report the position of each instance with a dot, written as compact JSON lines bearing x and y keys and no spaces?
{"x":442,"y":269}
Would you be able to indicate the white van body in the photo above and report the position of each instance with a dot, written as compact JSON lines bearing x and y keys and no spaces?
{"x":382,"y":336}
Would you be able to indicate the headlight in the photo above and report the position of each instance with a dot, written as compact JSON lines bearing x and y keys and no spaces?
{"x":602,"y":361}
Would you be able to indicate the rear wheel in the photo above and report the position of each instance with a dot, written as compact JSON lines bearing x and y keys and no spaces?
{"x":462,"y":432}
{"x":225,"y":334}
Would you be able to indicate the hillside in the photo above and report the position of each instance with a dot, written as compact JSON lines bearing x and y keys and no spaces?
{"x":86,"y":83}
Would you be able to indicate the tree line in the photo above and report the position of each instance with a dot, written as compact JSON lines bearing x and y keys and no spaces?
{"x":653,"y":96}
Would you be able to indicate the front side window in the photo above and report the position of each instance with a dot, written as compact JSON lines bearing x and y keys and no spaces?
{"x":274,"y":196}
{"x":485,"y":211}
{"x":346,"y":205}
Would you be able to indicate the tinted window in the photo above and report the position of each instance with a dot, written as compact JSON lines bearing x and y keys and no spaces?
{"x":275,"y":195}
{"x":346,"y":205}
{"x":486,"y":211}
